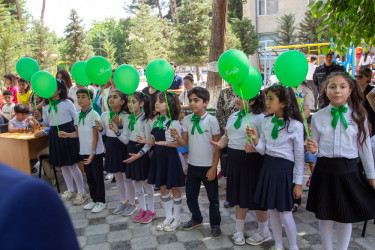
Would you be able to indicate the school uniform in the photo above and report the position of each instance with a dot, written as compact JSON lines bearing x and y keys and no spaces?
{"x":338,"y":190}
{"x":138,"y":169}
{"x":244,"y":168}
{"x":116,"y":151}
{"x":62,"y":151}
{"x":283,"y":164}
{"x":85,"y":121}
{"x":201,"y":157}
{"x":165,"y":167}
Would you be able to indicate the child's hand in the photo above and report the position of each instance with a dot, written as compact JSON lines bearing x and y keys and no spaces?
{"x":63,"y":134}
{"x":112,"y":126}
{"x":140,"y":139}
{"x":174,"y":133}
{"x":297,"y":191}
{"x":38,"y":115}
{"x":216,"y":144}
{"x":249,"y":148}
{"x":312,"y":146}
{"x":132,"y":157}
{"x":211,"y":174}
{"x":372,"y":183}
{"x":88,"y":160}
{"x":116,"y":119}
{"x":252,"y":132}
{"x":98,"y":126}
{"x":161,"y":143}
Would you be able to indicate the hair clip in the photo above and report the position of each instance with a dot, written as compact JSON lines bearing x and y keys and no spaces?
{"x":170,"y":92}
{"x":299,"y":95}
{"x":143,"y":93}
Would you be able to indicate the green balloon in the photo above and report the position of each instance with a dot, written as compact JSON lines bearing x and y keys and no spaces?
{"x":98,"y":70}
{"x":159,"y":74}
{"x":126,"y":79}
{"x":291,"y":68}
{"x":249,"y":88}
{"x":26,"y":68}
{"x":79,"y":73}
{"x":44,"y":84}
{"x":233,"y":66}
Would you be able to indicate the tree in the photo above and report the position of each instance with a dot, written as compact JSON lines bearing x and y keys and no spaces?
{"x":110,"y":51}
{"x":287,"y":29}
{"x":348,"y":21}
{"x":235,"y":9}
{"x":246,"y":33}
{"x":232,"y":41}
{"x":77,"y":47}
{"x":307,"y":29}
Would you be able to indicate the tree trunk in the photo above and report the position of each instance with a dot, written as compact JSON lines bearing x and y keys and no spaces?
{"x":159,"y":8}
{"x":172,"y":11}
{"x":197,"y":72}
{"x":42,"y":15}
{"x":218,"y":30}
{"x":19,"y":13}
{"x":175,"y":11}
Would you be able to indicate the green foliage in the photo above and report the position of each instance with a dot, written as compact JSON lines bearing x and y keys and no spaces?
{"x":109,"y":49}
{"x":235,"y":9}
{"x":245,"y":32}
{"x":309,"y":28}
{"x":232,"y":41}
{"x":287,"y":30}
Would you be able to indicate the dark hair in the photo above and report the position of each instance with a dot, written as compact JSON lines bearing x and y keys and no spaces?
{"x":84,"y":91}
{"x":174,"y":65}
{"x":288,"y":97}
{"x":142,"y":97}
{"x":201,"y":93}
{"x":66,"y":78}
{"x":189,"y":77}
{"x":355,"y":101}
{"x":259,"y":105}
{"x":27,"y":82}
{"x":366,"y":72}
{"x":64,"y":91}
{"x":365,"y":54}
{"x":21,"y":108}
{"x":313,"y":58}
{"x":173,"y":103}
{"x":7,"y":92}
{"x":123,"y":97}
{"x":11,"y":78}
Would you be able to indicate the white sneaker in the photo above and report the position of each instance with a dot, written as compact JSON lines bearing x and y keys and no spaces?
{"x":89,"y":205}
{"x":109,"y":177}
{"x":67,"y":195}
{"x":238,"y":238}
{"x":99,"y":206}
{"x":80,"y":199}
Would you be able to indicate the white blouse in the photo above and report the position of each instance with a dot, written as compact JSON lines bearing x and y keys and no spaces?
{"x":66,"y":112}
{"x":104,"y":120}
{"x":335,"y":143}
{"x":176,"y":125}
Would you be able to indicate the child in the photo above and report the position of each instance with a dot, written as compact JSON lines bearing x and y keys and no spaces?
{"x":138,"y":162}
{"x":116,"y":151}
{"x":166,"y":169}
{"x":8,"y":108}
{"x":198,"y":129}
{"x":63,"y":151}
{"x":242,"y":177}
{"x":25,"y":92}
{"x":21,"y":121}
{"x":282,"y":144}
{"x":339,"y":192}
{"x":91,"y":150}
{"x":11,"y":84}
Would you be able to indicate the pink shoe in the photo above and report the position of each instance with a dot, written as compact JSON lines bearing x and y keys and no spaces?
{"x":149,"y":216}
{"x":219,"y":175}
{"x":139,"y":215}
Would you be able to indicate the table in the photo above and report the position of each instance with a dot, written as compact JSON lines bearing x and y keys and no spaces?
{"x":17,"y":149}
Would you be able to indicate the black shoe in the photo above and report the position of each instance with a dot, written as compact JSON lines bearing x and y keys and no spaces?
{"x":226,"y":204}
{"x":191,"y":224}
{"x":215,"y":232}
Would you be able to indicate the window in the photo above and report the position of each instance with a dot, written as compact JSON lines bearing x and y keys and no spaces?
{"x":267,"y":7}
{"x":267,"y":40}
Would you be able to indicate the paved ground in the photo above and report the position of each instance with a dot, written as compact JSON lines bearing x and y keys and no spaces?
{"x":107,"y":231}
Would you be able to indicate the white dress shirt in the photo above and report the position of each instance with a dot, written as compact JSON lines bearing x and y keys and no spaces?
{"x":66,"y":112}
{"x":335,"y":143}
{"x":104,"y":120}
{"x":176,"y":125}
{"x":288,"y":145}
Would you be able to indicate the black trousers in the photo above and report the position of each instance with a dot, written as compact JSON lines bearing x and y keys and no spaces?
{"x":95,"y":178}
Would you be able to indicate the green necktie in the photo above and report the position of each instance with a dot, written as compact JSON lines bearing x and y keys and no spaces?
{"x":54,"y":105}
{"x":82,"y":116}
{"x":196,"y":121}
{"x":337,"y":113}
{"x":275,"y":131}
{"x":159,"y":122}
{"x":131,"y":122}
{"x":238,"y":122}
{"x":111,"y":114}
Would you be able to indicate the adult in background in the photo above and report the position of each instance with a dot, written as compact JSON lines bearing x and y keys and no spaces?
{"x":225,"y":107}
{"x":188,"y":84}
{"x":63,"y":75}
{"x":365,"y":61}
{"x":363,"y":77}
{"x":178,"y":84}
{"x":309,"y":78}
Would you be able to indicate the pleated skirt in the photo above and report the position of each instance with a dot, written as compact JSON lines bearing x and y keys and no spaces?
{"x":115,"y":154}
{"x":339,"y":191}
{"x":138,"y":169}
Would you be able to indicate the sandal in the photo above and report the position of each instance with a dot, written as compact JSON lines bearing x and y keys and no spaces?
{"x":172,"y":225}
{"x":238,"y":238}
{"x":258,"y":238}
{"x":162,"y":225}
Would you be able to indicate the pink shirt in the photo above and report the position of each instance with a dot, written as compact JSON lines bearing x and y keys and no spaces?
{"x":14,"y":90}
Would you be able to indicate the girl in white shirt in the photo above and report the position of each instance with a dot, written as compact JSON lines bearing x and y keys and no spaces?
{"x":282,"y":144}
{"x":339,"y":192}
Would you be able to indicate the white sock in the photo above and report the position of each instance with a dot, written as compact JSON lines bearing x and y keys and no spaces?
{"x":177,"y":205}
{"x":140,"y":195}
{"x":326,"y":233}
{"x":167,"y":201}
{"x":344,"y":231}
{"x":68,"y":178}
{"x":290,"y":229}
{"x":240,"y":225}
{"x":263,"y":227}
{"x":78,"y":178}
{"x":120,"y":186}
{"x":130,"y":188}
{"x":277,"y":228}
{"x":149,"y":195}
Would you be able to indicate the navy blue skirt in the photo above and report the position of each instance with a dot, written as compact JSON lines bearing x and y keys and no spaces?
{"x":166,"y":168}
{"x":275,"y":184}
{"x":243,"y":174}
{"x":115,"y":154}
{"x":138,"y":169}
{"x":63,"y":151}
{"x":340,"y":192}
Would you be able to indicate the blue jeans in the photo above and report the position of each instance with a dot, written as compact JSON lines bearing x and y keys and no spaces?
{"x":195,"y":176}
{"x":309,"y":157}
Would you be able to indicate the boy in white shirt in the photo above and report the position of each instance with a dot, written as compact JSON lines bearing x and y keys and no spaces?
{"x":8,"y":108}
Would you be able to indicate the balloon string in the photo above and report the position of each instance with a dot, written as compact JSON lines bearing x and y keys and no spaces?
{"x":106,"y":104}
{"x":36,"y":108}
{"x":303,"y":114}
{"x":166,"y":100}
{"x":92,"y":105}
{"x":136,"y":124}
{"x":54,"y":116}
{"x":247,"y":117}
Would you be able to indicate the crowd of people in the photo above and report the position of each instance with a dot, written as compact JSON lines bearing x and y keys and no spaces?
{"x":262,"y":145}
